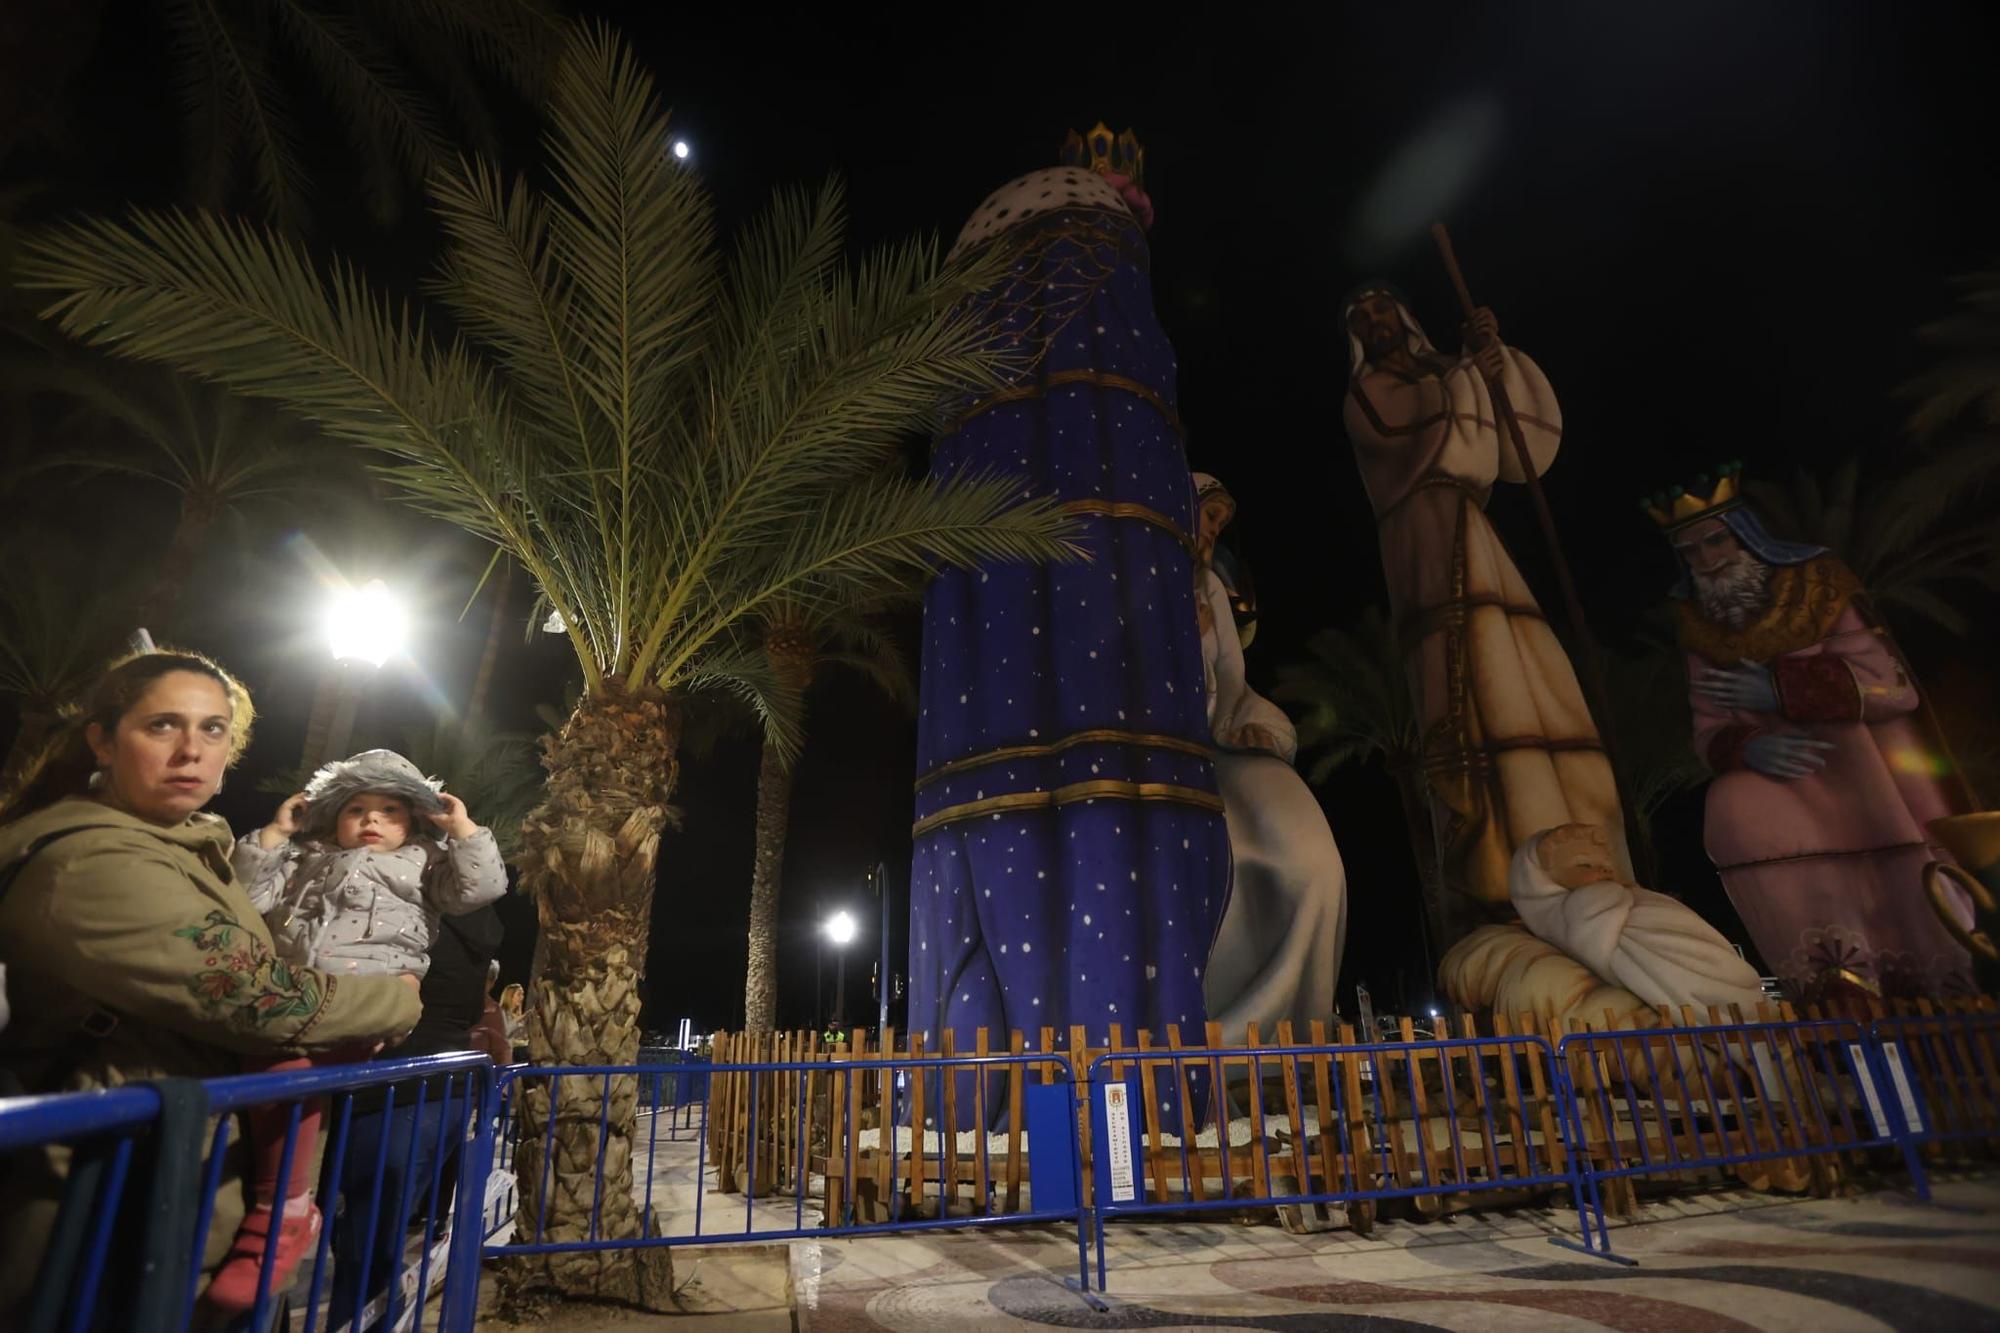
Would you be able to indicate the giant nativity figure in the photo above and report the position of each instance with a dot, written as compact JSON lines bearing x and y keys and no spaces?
{"x":1825,"y":780}
{"x":1071,"y":860}
{"x":1277,"y":955}
{"x":1508,"y":745}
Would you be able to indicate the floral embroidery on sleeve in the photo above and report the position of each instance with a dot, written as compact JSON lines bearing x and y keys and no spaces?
{"x":239,"y":977}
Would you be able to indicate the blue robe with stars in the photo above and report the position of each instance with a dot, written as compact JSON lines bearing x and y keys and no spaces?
{"x":1071,"y":862}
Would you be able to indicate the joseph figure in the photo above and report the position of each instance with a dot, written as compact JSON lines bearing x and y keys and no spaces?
{"x":1508,"y":744}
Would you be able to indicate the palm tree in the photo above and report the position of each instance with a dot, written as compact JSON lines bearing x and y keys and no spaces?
{"x":218,"y":453}
{"x":232,"y":63}
{"x":1355,"y":708}
{"x":671,"y":444}
{"x":53,"y":641}
{"x":1963,"y":388}
{"x":1646,"y":688}
{"x":1925,"y":523}
{"x":798,"y":645}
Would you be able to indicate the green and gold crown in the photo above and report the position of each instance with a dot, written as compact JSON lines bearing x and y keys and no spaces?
{"x":1102,"y":151}
{"x":1682,"y":505}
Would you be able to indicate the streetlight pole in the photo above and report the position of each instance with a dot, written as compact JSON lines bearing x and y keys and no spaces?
{"x":840,"y":929}
{"x":880,"y":874}
{"x":363,"y":625}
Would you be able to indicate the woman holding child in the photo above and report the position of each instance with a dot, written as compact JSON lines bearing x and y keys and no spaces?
{"x":133,"y":950}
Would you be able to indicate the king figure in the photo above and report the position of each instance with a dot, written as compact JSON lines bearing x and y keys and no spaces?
{"x":1071,"y":860}
{"x":1824,"y":782}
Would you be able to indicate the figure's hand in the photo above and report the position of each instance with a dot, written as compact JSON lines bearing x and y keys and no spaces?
{"x":1748,"y":687}
{"x":1256,"y":737}
{"x":1784,"y":756}
{"x":453,"y":819}
{"x":1482,"y":342}
{"x":283,"y":824}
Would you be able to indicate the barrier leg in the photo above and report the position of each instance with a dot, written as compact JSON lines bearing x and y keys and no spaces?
{"x":1583,"y":1181}
{"x":1877,"y":1061}
{"x":459,"y":1305}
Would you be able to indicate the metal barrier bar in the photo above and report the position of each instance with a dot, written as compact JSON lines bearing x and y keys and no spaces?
{"x":457,"y":1121}
{"x":1943,"y":1070}
{"x":1834,"y":1061}
{"x":841,"y":1079}
{"x":1346,"y":1186}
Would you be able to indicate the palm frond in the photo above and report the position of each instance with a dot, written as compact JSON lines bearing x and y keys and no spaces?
{"x":257,"y":118}
{"x":1352,"y":700}
{"x":674,"y":449}
{"x":1964,"y":384}
{"x":370,"y":94}
{"x":858,"y":644}
{"x":63,"y":613}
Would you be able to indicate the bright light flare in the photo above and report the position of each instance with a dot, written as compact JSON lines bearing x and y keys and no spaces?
{"x":367,"y":624}
{"x":840,"y":928}
{"x":681,"y":150}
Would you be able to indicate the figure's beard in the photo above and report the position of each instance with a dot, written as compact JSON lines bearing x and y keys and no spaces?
{"x":1734,"y":595}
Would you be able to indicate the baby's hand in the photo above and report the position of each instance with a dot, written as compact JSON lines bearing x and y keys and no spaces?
{"x":453,"y":819}
{"x":283,"y":824}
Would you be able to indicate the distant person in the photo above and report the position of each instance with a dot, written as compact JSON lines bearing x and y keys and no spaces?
{"x":132,"y":950}
{"x":489,"y":1034}
{"x":514,"y":1013}
{"x":351,"y":882}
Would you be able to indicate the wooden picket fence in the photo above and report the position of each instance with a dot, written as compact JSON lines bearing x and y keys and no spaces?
{"x":1439,"y":1121}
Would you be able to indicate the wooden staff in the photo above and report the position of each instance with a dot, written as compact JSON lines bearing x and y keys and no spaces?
{"x":1593,"y":662}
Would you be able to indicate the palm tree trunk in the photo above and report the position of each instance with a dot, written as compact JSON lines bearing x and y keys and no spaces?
{"x":489,"y":657}
{"x":790,"y":646}
{"x":162,"y":601}
{"x":588,"y":855}
{"x":1434,"y":919}
{"x":774,"y":810}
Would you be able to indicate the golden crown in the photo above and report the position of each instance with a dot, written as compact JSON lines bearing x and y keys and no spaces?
{"x":1680,"y":506}
{"x":1102,"y":151}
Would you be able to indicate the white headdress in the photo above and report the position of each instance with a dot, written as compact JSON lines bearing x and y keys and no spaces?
{"x":1414,"y":336}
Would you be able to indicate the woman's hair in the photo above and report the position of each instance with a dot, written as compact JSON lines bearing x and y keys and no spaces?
{"x":66,"y":762}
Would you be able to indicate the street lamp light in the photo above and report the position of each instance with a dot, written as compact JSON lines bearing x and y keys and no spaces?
{"x":840,"y":929}
{"x":365,"y":624}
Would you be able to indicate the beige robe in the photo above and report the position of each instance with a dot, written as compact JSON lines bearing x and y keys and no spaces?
{"x":1509,"y":745}
{"x":1652,"y":945}
{"x":1276,"y":956}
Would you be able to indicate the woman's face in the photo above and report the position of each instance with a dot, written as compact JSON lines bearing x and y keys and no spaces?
{"x":164,"y":759}
{"x":1216,"y":511}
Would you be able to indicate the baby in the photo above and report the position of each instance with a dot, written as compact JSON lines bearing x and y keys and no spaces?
{"x":351,"y":877}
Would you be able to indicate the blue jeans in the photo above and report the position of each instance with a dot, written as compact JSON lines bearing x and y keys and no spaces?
{"x":407,"y":1168}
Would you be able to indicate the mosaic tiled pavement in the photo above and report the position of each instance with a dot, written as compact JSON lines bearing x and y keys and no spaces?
{"x":1881,"y":1261}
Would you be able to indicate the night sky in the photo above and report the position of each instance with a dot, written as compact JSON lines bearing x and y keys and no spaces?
{"x":1716,"y":226}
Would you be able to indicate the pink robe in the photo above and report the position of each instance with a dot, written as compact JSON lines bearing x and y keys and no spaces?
{"x":1827,"y":870}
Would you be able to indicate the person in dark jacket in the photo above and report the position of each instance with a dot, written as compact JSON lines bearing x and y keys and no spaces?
{"x":454,"y":998}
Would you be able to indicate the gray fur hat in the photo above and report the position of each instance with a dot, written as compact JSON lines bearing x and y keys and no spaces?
{"x":380,"y":771}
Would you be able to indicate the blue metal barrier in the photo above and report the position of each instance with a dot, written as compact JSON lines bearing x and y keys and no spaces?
{"x":1712,"y":1097}
{"x":1359,"y":1158}
{"x":384,"y":1223}
{"x":125,"y":1117}
{"x":1943,"y":1073}
{"x":1627,"y":1104}
{"x":113,"y":1121}
{"x":840,"y":1079}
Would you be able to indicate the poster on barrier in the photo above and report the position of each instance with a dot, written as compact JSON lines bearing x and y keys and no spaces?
{"x":1857,"y":1058}
{"x":1116,"y":1164}
{"x":1906,"y":1093}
